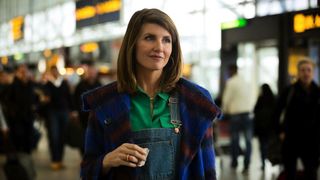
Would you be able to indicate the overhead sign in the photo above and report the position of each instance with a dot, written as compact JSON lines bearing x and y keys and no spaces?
{"x":96,"y":12}
{"x":302,"y":22}
{"x":17,"y":27}
{"x":4,"y":60}
{"x":89,"y":47}
{"x":234,"y":24}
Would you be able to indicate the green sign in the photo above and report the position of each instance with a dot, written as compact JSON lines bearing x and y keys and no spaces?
{"x":234,"y":24}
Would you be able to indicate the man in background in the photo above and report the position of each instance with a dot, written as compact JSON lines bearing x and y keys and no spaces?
{"x":235,"y":104}
{"x":89,"y":80}
{"x":300,"y":127}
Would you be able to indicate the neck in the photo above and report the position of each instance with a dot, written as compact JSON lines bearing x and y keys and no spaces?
{"x":305,"y":85}
{"x":149,"y":82}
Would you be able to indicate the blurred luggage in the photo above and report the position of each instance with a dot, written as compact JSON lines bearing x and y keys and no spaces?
{"x":74,"y":134}
{"x":274,"y":150}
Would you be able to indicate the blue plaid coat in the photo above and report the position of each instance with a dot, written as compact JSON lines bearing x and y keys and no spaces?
{"x":109,"y":127}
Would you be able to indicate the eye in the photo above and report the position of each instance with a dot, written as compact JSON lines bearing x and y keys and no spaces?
{"x":167,"y":40}
{"x":149,"y":37}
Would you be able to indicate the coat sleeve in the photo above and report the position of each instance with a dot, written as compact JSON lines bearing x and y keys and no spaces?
{"x":91,"y":165}
{"x":208,"y":155}
{"x":207,"y":145}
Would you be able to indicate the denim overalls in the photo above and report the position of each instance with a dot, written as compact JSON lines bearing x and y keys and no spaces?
{"x":164,"y":147}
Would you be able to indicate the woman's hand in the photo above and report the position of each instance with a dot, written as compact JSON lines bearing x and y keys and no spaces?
{"x":125,"y":155}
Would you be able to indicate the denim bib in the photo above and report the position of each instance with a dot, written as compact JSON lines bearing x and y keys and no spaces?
{"x":162,"y":159}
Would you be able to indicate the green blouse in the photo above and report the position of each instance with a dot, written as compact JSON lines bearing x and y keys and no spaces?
{"x":149,"y":113}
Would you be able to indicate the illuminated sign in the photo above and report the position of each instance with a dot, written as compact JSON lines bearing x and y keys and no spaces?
{"x":4,"y":60}
{"x":108,"y":7}
{"x":85,"y":13}
{"x":17,"y":24}
{"x":95,"y":12}
{"x":302,"y":23}
{"x":234,"y":24}
{"x":89,"y":47}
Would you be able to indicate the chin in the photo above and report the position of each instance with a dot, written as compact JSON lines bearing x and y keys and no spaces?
{"x":156,"y":68}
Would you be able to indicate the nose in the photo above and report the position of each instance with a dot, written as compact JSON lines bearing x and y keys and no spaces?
{"x":158,"y":45}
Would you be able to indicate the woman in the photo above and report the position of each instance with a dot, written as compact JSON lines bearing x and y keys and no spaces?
{"x":150,"y":124}
{"x":263,"y":122}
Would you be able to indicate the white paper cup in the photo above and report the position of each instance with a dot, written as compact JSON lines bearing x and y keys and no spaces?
{"x":142,"y":163}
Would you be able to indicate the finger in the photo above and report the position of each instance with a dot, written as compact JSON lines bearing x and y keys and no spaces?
{"x":138,"y":155}
{"x":134,"y":150}
{"x":130,"y":164}
{"x":137,"y":148}
{"x":133,"y":159}
{"x":128,"y":161}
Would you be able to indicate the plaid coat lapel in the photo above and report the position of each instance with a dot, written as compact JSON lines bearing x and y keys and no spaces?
{"x":197,"y":112}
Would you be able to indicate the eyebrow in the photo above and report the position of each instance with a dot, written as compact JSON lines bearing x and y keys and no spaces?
{"x":151,"y":34}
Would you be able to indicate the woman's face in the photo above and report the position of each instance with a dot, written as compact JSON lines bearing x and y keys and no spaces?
{"x":305,"y":73}
{"x":153,"y":48}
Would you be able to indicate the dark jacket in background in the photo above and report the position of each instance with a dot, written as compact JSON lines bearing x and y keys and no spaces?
{"x":20,"y":101}
{"x":263,"y":115}
{"x":301,"y":127}
{"x":60,"y":97}
{"x":302,"y":118}
{"x":82,"y":87}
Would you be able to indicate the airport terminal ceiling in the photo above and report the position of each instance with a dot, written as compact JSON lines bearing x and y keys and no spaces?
{"x":205,"y":15}
{"x":200,"y":45}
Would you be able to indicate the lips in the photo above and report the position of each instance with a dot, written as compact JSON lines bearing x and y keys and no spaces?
{"x":156,"y":57}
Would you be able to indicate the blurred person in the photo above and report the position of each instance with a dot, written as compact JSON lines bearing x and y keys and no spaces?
{"x":3,"y":122}
{"x":300,"y":128}
{"x":20,"y":102}
{"x":58,"y":109}
{"x":151,"y":123}
{"x":263,"y":119}
{"x":43,"y":96}
{"x":89,"y":80}
{"x":235,"y":105}
{"x":5,"y":80}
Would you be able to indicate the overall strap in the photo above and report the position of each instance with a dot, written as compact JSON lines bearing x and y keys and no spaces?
{"x":174,"y":111}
